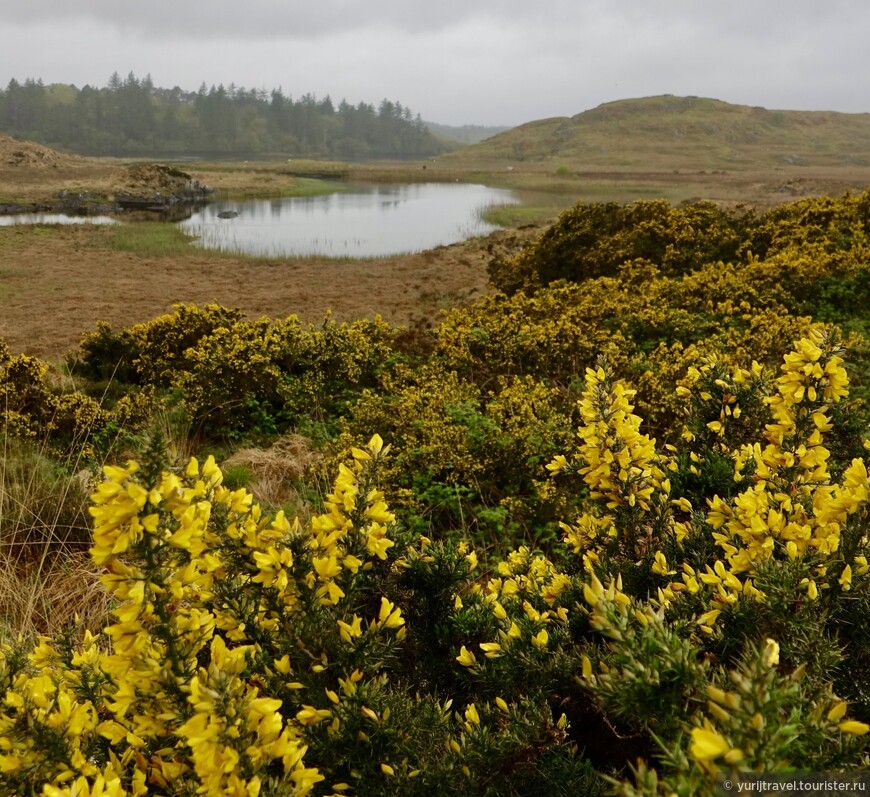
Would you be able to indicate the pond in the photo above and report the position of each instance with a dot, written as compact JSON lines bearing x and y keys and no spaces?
{"x":373,"y":221}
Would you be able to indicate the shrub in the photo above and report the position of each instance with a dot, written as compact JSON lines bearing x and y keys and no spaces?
{"x":251,"y":656}
{"x":148,"y":353}
{"x":595,"y":239}
{"x":467,"y":461}
{"x":267,"y":377}
{"x":713,"y":632}
{"x":706,"y":633}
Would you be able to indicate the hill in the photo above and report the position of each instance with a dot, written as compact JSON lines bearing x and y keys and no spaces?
{"x":26,"y":154}
{"x":668,"y":132}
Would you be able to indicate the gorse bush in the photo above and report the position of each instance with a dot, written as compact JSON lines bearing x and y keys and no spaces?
{"x":689,"y":625}
{"x":149,"y":353}
{"x":477,"y":404}
{"x":710,"y":625}
{"x":466,"y":460}
{"x":243,"y":648}
{"x":263,"y":375}
{"x":29,"y":408}
{"x":594,"y":240}
{"x":64,"y":421}
{"x":236,"y":376}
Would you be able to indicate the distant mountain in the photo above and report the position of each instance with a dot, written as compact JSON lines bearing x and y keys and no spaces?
{"x":668,"y":132}
{"x":465,"y":134}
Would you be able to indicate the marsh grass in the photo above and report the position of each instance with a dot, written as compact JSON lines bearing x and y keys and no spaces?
{"x":167,"y":240}
{"x":300,"y":187}
{"x":46,"y":576}
{"x":149,"y":239}
{"x":517,"y":215}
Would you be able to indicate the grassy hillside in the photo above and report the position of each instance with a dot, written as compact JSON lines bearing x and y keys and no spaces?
{"x":670,"y":132}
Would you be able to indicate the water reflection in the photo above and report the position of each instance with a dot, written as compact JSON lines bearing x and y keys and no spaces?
{"x":53,"y":218}
{"x":369,"y":222}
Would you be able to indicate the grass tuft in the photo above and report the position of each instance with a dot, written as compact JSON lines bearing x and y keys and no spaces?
{"x":275,"y":474}
{"x":149,"y":239}
{"x":47,"y":581}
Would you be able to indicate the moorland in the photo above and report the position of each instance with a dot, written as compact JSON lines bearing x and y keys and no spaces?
{"x":580,"y":508}
{"x":677,"y":149}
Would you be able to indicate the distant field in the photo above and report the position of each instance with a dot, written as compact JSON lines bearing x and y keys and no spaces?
{"x":55,"y":283}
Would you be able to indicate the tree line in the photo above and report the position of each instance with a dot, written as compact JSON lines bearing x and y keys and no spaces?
{"x":132,"y":116}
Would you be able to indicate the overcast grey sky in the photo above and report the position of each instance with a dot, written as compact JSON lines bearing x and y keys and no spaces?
{"x":491,"y":62}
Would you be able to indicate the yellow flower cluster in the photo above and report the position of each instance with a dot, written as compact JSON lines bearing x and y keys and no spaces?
{"x":618,"y":463}
{"x":790,"y":510}
{"x":791,"y":507}
{"x":522,"y":597}
{"x":621,"y":464}
{"x":202,"y":580}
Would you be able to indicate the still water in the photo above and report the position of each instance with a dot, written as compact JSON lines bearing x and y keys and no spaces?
{"x":53,"y":218}
{"x":365,"y":222}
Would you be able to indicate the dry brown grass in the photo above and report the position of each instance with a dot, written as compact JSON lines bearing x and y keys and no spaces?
{"x":56,"y":283}
{"x":51,"y":594}
{"x":47,"y":579}
{"x":277,"y":471}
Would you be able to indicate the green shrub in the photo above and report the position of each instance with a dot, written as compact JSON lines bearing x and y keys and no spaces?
{"x":595,"y":239}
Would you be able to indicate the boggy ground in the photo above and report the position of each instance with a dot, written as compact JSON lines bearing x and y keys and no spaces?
{"x":57,"y":282}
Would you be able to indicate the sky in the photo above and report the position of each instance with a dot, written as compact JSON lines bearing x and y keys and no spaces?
{"x":458,"y":62}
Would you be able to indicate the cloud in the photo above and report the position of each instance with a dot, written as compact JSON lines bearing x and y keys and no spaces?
{"x":458,"y":61}
{"x":270,"y":19}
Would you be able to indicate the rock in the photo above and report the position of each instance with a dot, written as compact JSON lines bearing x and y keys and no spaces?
{"x":154,"y":186}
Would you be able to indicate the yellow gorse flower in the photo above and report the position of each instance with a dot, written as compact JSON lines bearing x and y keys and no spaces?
{"x":621,"y":464}
{"x":707,"y":744}
{"x":185,"y":559}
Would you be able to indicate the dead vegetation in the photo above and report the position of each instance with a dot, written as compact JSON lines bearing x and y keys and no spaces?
{"x":52,"y":596}
{"x":48,"y":583}
{"x":27,"y":155}
{"x":277,"y":471}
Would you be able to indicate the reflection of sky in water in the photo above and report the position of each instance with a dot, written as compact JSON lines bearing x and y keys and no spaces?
{"x":363,"y":223}
{"x":53,"y":218}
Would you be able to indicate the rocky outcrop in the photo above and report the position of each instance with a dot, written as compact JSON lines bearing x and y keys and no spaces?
{"x":146,"y":187}
{"x":156,"y":187}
